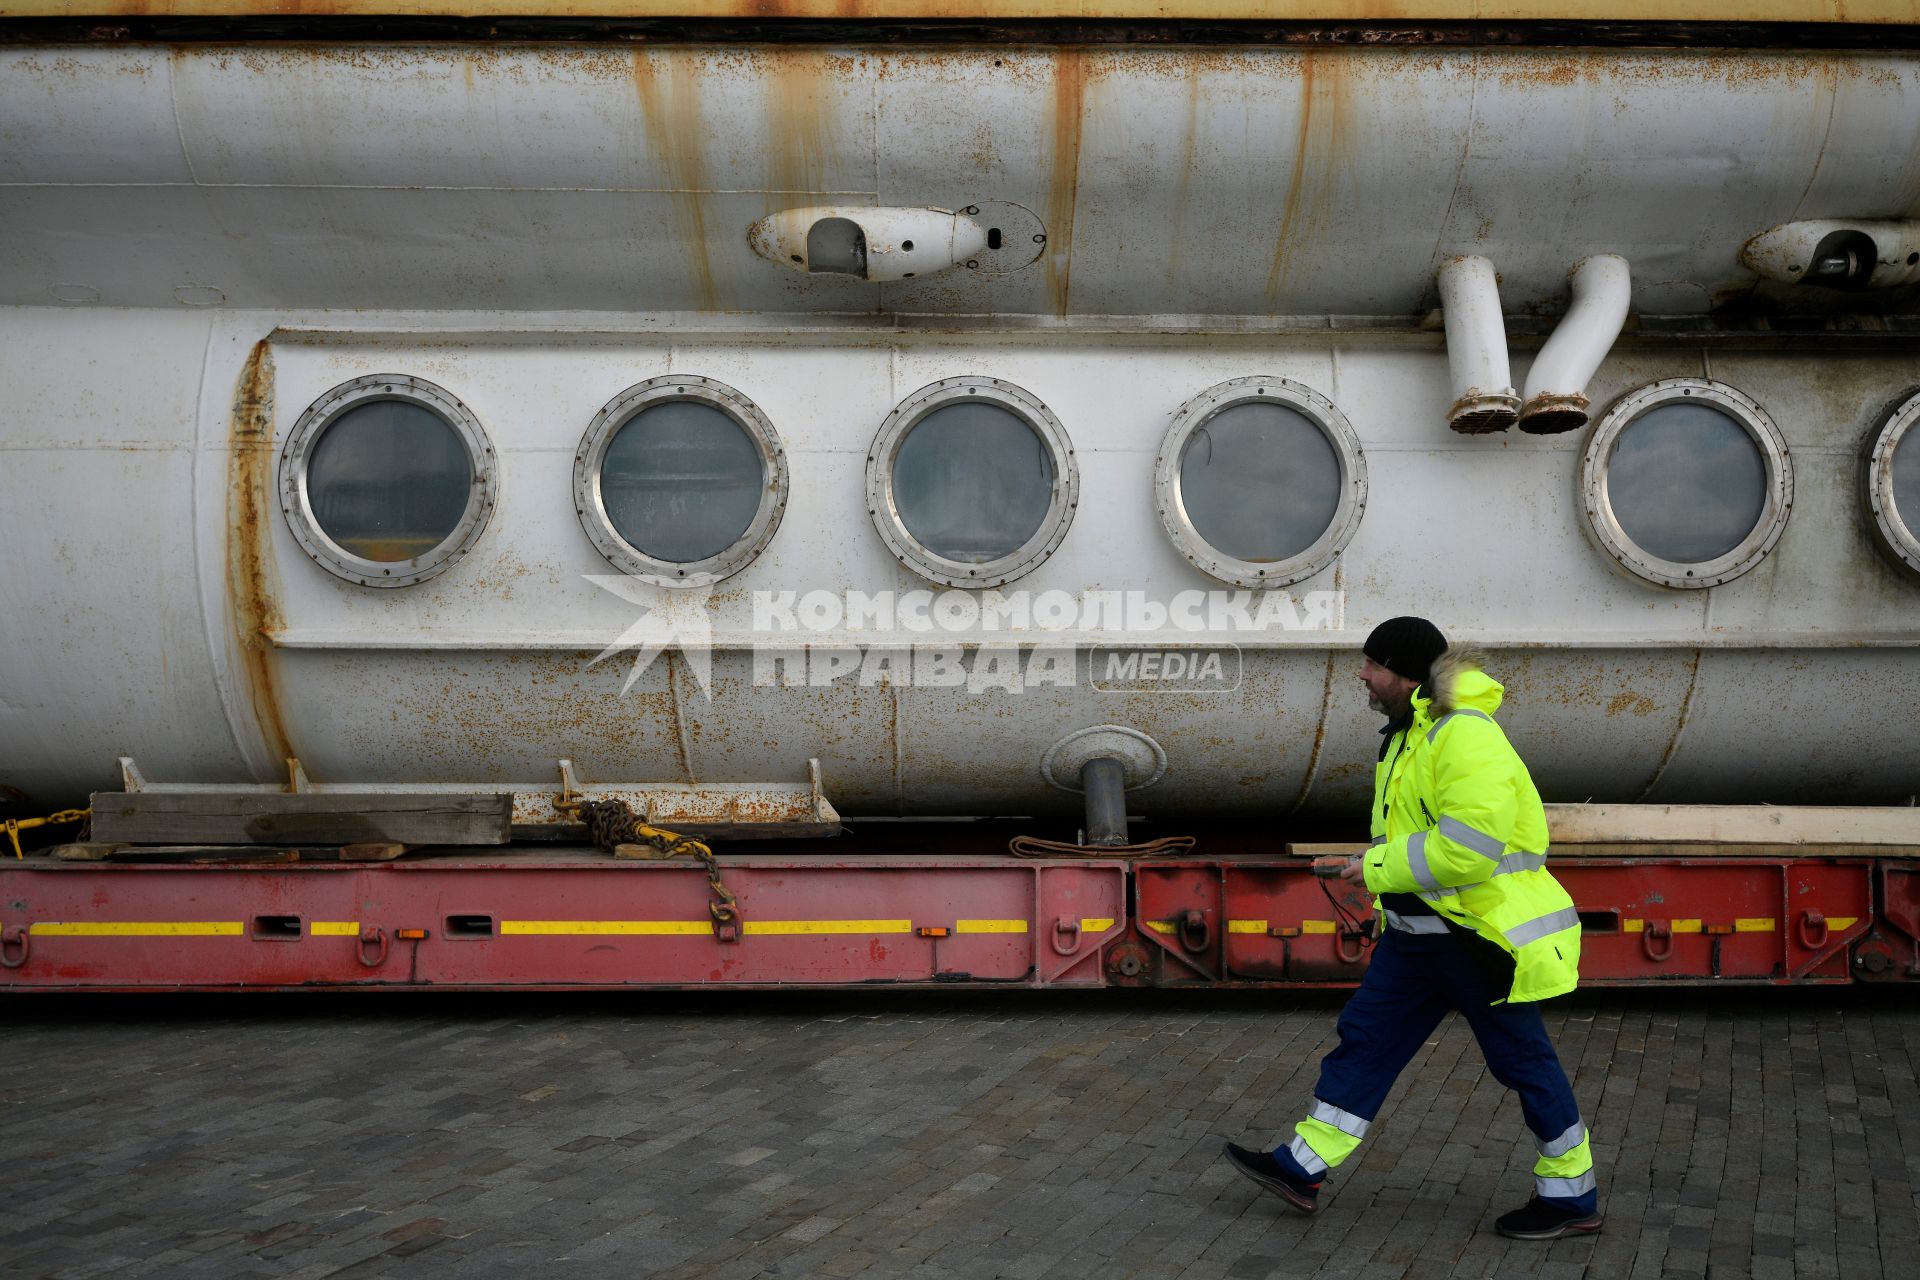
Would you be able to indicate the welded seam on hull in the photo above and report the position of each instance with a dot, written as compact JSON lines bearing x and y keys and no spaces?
{"x":682,"y":742}
{"x":217,"y":634}
{"x":1319,"y":738}
{"x":1460,"y":172}
{"x":899,"y":752}
{"x":1679,"y":730}
{"x":1826,"y":136}
{"x":179,"y":125}
{"x":1326,"y":705}
{"x":251,"y":574}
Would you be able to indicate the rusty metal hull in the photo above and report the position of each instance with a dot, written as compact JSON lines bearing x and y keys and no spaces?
{"x":1172,"y":181}
{"x":159,"y":607}
{"x":200,"y":241}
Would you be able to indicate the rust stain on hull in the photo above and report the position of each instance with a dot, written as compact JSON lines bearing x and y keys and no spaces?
{"x":1319,"y":159}
{"x":1190,"y":148}
{"x":673,"y":125}
{"x":251,"y":582}
{"x":797,"y":123}
{"x":1839,"y":11}
{"x":1069,"y":99}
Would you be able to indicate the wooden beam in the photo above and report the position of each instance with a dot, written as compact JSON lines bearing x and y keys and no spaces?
{"x":1878,"y":828}
{"x":243,"y":817}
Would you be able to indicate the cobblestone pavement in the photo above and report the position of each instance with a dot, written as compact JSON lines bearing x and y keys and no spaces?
{"x":1745,"y":1133}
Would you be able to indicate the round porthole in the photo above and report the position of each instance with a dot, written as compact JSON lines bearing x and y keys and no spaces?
{"x":972,"y":482}
{"x":680,"y":477}
{"x":1892,"y":481}
{"x":1686,"y":483}
{"x":387,"y":480}
{"x":1260,"y":482}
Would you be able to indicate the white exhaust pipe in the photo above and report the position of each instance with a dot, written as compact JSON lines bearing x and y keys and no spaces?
{"x":1483,"y":396}
{"x":1556,"y":396}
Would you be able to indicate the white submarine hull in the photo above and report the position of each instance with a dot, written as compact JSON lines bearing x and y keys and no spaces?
{"x":195,"y":252}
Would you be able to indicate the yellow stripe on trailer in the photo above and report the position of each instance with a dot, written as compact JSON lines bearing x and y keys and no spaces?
{"x":334,"y":929}
{"x":137,"y":929}
{"x":651,"y":928}
{"x":1246,"y":926}
{"x":793,"y":927}
{"x":1096,"y":924}
{"x":1318,"y":926}
{"x":1744,"y":924}
{"x":991,"y":926}
{"x":1159,"y":926}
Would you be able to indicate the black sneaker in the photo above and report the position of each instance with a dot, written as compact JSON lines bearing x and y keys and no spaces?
{"x":1262,"y":1168}
{"x":1543,"y":1221}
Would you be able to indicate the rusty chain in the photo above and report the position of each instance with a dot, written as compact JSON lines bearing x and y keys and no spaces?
{"x":612,"y":823}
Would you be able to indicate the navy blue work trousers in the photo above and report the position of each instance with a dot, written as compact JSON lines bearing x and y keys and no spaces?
{"x":1410,"y":984}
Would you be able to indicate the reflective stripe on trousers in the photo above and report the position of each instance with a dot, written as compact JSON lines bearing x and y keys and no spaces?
{"x":1309,"y":1159}
{"x":1415,"y":924}
{"x":1345,"y":1121}
{"x":1326,"y":1137}
{"x":1565,"y":1168}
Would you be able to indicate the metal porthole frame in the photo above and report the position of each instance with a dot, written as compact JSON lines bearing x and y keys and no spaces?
{"x":297,"y":506}
{"x":1605,"y":528}
{"x":1318,"y":410}
{"x":1892,"y":527}
{"x":589,"y":505}
{"x":886,"y":514}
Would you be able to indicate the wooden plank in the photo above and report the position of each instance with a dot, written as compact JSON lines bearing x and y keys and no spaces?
{"x":1675,"y":849}
{"x":85,"y":852}
{"x":377,"y":851}
{"x":203,"y":854}
{"x":1733,"y":825}
{"x":1664,"y":849}
{"x":253,"y":817}
{"x":1326,"y":850}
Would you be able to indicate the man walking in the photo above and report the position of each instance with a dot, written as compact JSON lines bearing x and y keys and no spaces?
{"x":1470,"y":919}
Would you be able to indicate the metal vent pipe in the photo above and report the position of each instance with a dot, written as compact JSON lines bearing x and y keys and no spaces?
{"x":1483,"y":396}
{"x":1104,"y":779}
{"x":1556,"y":395}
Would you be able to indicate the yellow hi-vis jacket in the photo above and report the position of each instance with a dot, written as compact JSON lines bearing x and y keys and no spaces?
{"x":1456,"y":819}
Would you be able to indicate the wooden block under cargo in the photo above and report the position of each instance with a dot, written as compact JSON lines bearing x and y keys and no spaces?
{"x":337,"y":818}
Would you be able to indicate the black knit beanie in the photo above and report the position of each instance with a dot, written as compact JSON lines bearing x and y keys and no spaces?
{"x":1406,"y":647}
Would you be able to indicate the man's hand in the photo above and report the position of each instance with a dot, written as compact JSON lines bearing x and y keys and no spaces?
{"x":1354,"y":872}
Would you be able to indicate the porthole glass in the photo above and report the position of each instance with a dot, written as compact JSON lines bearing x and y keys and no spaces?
{"x":680,"y":477}
{"x":972,"y":482}
{"x":386,"y":480}
{"x":681,"y":481}
{"x":1260,"y":481}
{"x":1687,"y":483}
{"x":1892,"y":476}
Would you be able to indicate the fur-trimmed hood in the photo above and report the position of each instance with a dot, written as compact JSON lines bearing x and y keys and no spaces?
{"x":1457,"y":682}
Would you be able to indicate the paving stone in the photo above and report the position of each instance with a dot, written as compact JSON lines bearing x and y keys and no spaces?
{"x":1771,"y":1134}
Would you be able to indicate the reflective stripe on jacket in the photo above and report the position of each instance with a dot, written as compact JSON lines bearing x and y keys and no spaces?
{"x":1456,"y":819}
